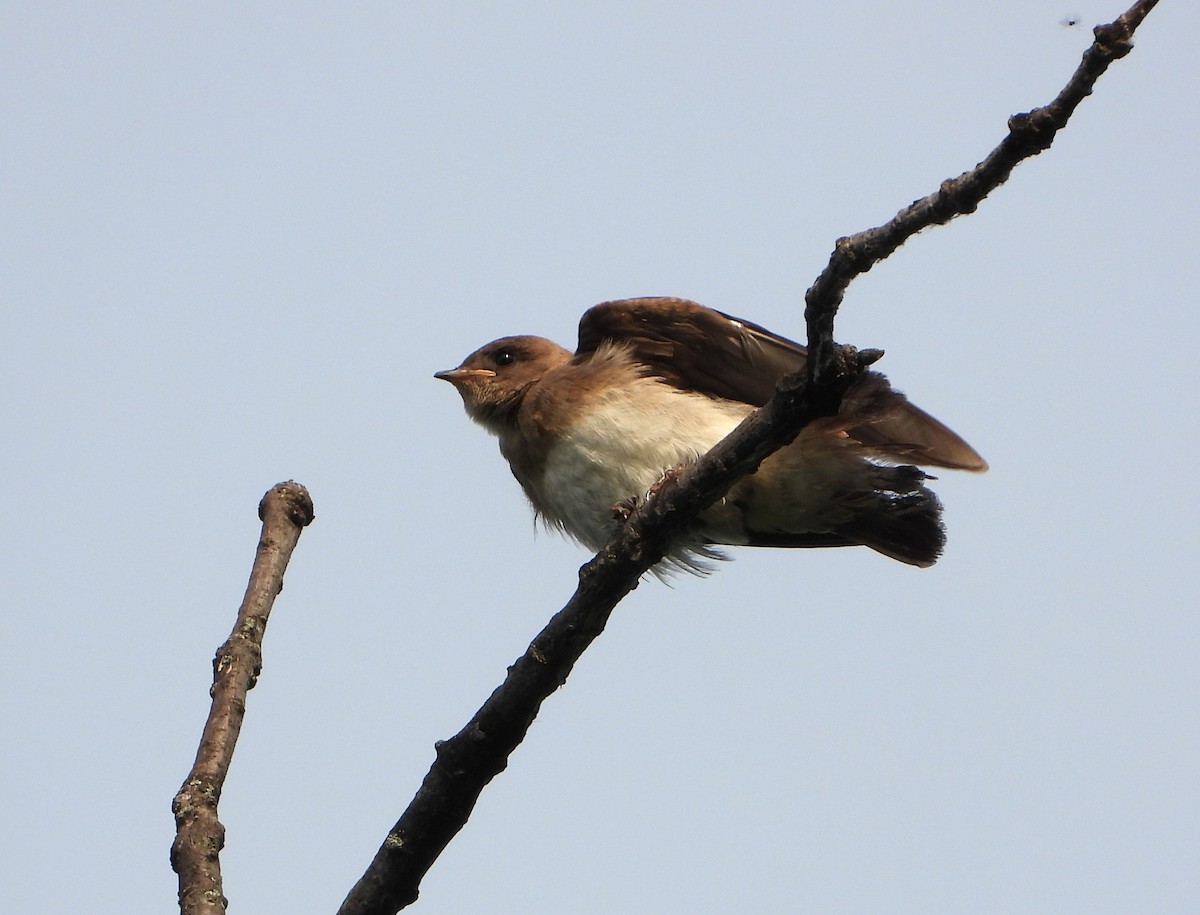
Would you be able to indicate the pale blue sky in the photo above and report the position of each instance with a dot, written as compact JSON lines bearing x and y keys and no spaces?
{"x":238,"y":239}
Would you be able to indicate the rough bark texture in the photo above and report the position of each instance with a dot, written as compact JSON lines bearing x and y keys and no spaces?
{"x":199,"y":836}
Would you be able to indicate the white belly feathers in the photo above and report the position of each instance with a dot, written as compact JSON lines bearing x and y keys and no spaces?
{"x":622,"y":446}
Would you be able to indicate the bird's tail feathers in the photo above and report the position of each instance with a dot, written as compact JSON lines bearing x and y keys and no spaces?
{"x":901,"y":518}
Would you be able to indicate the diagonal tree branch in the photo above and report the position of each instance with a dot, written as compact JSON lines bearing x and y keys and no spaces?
{"x":465,"y":763}
{"x":1028,"y":134}
{"x":195,"y":854}
{"x":468,"y":761}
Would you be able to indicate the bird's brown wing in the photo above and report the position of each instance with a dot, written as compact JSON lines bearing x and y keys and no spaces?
{"x":694,"y":347}
{"x":701,"y":349}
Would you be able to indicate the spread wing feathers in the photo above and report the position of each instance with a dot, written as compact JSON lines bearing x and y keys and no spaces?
{"x":701,"y":349}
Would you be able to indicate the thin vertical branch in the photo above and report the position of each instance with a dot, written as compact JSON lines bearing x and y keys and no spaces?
{"x":195,"y":854}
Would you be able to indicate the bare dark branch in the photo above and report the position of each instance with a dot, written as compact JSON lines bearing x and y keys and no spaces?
{"x":285,"y":511}
{"x":468,"y":761}
{"x":1028,"y":134}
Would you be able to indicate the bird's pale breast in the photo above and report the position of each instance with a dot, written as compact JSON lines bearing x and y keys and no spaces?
{"x":621,"y":445}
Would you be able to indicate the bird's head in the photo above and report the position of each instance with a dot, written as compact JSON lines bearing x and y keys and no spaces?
{"x":494,"y":378}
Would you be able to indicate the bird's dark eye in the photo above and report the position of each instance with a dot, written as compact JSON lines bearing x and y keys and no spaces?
{"x":504,"y":357}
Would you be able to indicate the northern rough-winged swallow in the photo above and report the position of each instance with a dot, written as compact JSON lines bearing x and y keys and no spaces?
{"x":655,"y":383}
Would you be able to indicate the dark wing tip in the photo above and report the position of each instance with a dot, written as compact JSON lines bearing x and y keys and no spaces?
{"x":884,"y":420}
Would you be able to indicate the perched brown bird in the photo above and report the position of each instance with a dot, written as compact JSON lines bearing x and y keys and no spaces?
{"x":655,"y":383}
